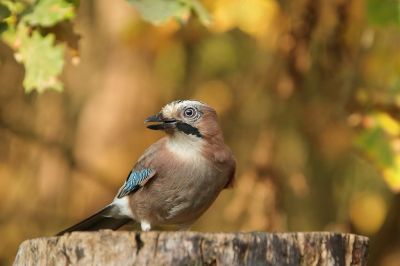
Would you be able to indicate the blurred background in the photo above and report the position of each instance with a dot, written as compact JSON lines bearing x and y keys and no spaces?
{"x":308,"y":96}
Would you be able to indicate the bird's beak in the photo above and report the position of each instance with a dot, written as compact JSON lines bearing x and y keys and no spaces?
{"x":167,"y":123}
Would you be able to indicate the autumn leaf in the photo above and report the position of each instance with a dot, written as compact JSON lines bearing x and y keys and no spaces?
{"x":43,"y":62}
{"x":158,"y":11}
{"x":47,"y":13}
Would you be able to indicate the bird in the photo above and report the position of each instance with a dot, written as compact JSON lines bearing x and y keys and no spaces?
{"x":177,"y":178}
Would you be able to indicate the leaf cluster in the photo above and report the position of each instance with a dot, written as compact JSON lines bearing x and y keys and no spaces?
{"x":32,"y":29}
{"x":39,"y":30}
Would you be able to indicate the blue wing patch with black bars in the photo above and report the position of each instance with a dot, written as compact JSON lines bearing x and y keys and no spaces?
{"x":135,"y":181}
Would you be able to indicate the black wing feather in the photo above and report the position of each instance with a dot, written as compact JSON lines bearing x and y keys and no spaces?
{"x":98,"y":221}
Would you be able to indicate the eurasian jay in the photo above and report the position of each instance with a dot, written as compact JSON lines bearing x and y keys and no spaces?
{"x":178,"y":178}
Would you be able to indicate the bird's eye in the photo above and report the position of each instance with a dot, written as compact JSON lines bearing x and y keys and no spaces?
{"x":189,"y":112}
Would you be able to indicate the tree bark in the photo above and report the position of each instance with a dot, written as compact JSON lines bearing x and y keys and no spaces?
{"x":107,"y":247}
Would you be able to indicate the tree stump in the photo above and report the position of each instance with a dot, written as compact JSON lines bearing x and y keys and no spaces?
{"x":107,"y":247}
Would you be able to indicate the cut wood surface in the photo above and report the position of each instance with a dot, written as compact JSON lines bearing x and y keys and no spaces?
{"x":107,"y":247}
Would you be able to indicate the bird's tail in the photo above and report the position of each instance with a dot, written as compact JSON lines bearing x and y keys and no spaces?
{"x":98,"y":221}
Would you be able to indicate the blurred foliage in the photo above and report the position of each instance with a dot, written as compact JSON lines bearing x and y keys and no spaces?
{"x":307,"y":94}
{"x":24,"y":23}
{"x":29,"y":26}
{"x":383,"y":12}
{"x":158,"y":11}
{"x":368,"y":212}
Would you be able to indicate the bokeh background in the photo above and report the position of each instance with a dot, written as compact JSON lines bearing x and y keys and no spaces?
{"x":308,"y":96}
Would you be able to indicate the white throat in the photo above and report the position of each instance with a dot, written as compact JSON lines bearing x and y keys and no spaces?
{"x":186,"y":147}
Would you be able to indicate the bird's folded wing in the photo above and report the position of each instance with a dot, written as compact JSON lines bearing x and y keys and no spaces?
{"x":98,"y":221}
{"x":135,"y":180}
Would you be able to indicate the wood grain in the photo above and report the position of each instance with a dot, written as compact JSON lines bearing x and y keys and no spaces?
{"x":108,"y":247}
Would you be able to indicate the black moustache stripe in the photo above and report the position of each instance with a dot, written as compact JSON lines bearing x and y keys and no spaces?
{"x":188,"y":129}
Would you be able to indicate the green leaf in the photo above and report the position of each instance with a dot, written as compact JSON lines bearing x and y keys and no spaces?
{"x":47,"y":13}
{"x":4,"y":12}
{"x":202,"y":13}
{"x":3,"y":27}
{"x":183,"y":15}
{"x":157,"y":11}
{"x":28,"y":31}
{"x":42,"y":60}
{"x":8,"y":36}
{"x":383,"y":12}
{"x":76,"y":3}
{"x":376,"y":144}
{"x":15,"y":7}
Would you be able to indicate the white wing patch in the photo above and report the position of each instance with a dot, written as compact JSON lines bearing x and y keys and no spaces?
{"x":121,"y":209}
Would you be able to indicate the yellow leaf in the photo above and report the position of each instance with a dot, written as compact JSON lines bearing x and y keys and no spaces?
{"x":388,"y":124}
{"x":251,"y":16}
{"x":392,"y":175}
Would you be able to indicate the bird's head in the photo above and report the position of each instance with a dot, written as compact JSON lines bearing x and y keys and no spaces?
{"x":191,"y":117}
